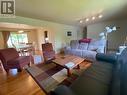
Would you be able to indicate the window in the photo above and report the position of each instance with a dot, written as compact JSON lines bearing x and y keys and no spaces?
{"x":16,"y":39}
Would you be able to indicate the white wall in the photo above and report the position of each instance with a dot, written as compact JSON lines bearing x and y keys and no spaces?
{"x":115,"y":38}
{"x":40,"y":37}
{"x":58,"y":36}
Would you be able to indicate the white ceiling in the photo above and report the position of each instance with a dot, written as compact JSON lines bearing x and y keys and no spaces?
{"x":71,"y":11}
{"x":16,"y":27}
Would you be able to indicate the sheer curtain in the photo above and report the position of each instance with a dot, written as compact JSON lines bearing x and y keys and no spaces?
{"x":6,"y":35}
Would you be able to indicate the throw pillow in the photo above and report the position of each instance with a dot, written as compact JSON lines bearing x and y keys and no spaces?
{"x":87,"y":40}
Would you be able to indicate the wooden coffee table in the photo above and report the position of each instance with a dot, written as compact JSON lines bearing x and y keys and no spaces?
{"x":68,"y":61}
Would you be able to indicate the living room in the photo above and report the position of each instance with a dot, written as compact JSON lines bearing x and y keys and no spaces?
{"x":60,"y":23}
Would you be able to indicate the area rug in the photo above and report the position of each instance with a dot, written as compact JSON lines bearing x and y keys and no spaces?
{"x":49,"y":76}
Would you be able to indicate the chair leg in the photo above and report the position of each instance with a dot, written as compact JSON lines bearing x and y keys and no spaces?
{"x":31,"y":58}
{"x":19,"y":70}
{"x":29,"y":64}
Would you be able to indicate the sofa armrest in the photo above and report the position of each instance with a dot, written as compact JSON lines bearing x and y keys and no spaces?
{"x":101,"y":49}
{"x":67,"y":49}
{"x":111,"y":58}
{"x":62,"y":90}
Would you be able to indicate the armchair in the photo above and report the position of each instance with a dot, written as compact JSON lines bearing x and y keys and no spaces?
{"x":11,"y":59}
{"x":48,"y":52}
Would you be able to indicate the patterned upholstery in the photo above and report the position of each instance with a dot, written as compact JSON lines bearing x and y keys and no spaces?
{"x":48,"y":52}
{"x":83,"y":46}
{"x":47,"y":47}
{"x":10,"y":59}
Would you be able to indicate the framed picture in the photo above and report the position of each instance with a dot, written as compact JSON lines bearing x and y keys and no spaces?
{"x":69,"y":33}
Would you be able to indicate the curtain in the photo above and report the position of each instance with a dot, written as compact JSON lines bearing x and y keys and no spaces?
{"x":6,"y":35}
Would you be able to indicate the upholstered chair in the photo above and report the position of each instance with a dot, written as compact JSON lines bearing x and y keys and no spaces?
{"x":11,"y":59}
{"x":48,"y":52}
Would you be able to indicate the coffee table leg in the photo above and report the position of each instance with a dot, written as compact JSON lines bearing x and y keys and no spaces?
{"x":78,"y":67}
{"x":68,"y":72}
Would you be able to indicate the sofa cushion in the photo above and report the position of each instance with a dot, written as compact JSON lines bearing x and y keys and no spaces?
{"x":89,"y":86}
{"x":97,"y":45}
{"x":123,"y":71}
{"x":7,"y":53}
{"x":94,"y":81}
{"x":62,"y":90}
{"x":83,"y":46}
{"x":21,"y":61}
{"x":70,"y":51}
{"x":102,"y":75}
{"x":74,"y":44}
{"x":89,"y":54}
{"x":92,"y":47}
{"x":76,"y":52}
{"x":115,"y":85}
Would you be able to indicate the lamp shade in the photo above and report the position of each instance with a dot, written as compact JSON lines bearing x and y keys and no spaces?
{"x":46,"y":39}
{"x":114,"y":28}
{"x":107,"y":28}
{"x":109,"y":31}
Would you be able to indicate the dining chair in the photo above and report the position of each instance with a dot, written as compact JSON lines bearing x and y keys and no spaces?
{"x":31,"y":49}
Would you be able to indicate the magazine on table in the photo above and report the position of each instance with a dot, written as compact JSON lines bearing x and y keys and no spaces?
{"x":69,"y":64}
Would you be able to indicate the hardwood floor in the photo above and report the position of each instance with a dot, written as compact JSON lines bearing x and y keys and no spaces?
{"x":18,"y":83}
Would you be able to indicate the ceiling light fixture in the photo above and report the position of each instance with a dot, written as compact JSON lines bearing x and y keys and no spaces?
{"x":93,"y":18}
{"x":100,"y":16}
{"x":97,"y":16}
{"x":87,"y":19}
{"x":20,"y":31}
{"x":80,"y":21}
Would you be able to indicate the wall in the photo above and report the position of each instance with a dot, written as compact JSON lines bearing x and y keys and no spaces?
{"x":115,"y":39}
{"x":58,"y":36}
{"x":57,"y":31}
{"x":40,"y":37}
{"x":61,"y":36}
{"x":1,"y":41}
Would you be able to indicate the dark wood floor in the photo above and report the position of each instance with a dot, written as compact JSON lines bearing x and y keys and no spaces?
{"x":18,"y":83}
